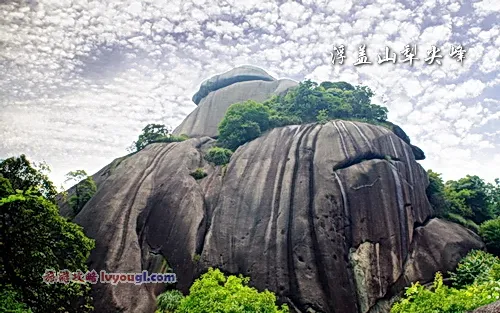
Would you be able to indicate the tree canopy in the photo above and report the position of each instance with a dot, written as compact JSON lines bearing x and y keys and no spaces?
{"x":85,"y":188}
{"x":307,"y":103}
{"x":470,"y":197}
{"x":152,"y":133}
{"x":33,"y":238}
{"x":23,"y":175}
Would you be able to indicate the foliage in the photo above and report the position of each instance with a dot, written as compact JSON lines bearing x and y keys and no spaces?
{"x":85,"y":189}
{"x":435,"y":194}
{"x":322,"y":116}
{"x":153,"y":133}
{"x":218,"y":155}
{"x":214,"y":292}
{"x":10,"y":301}
{"x":468,"y":201}
{"x":474,"y":267}
{"x":443,"y":299}
{"x":307,"y":103}
{"x":490,"y":232}
{"x":23,"y":175}
{"x":469,"y":197}
{"x":169,"y":301}
{"x":196,"y":258}
{"x":199,"y":173}
{"x":243,"y":122}
{"x":457,"y":218}
{"x":33,"y":238}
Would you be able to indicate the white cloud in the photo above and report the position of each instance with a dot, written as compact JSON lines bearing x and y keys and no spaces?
{"x":99,"y":71}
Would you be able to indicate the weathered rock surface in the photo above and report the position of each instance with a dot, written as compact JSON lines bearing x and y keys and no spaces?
{"x":490,"y":308}
{"x":219,"y":92}
{"x":331,"y":217}
{"x":235,"y":75}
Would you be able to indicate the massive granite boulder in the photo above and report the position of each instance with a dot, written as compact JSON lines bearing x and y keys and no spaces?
{"x":333,"y":218}
{"x":219,"y":92}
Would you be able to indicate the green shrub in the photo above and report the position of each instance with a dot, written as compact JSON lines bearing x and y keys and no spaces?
{"x":456,"y":218}
{"x":10,"y":301}
{"x":218,"y":156}
{"x":472,"y":226}
{"x":170,"y":138}
{"x":490,"y":232}
{"x":213,"y":292}
{"x":322,"y":116}
{"x":242,"y":123}
{"x":443,"y":299}
{"x":169,"y":301}
{"x":199,"y":173}
{"x":474,"y":267}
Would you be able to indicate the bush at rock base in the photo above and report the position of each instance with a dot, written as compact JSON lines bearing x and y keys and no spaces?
{"x":443,"y":299}
{"x":213,"y":292}
{"x":169,"y":301}
{"x":474,"y":267}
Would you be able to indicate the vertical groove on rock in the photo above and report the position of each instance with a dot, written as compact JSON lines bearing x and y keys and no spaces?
{"x":345,"y":204}
{"x":149,"y":170}
{"x":292,"y":277}
{"x":394,"y":147}
{"x":410,"y":170}
{"x":342,"y":141}
{"x":368,"y":143}
{"x":403,"y":223}
{"x":318,"y":252}
{"x":351,"y":138}
{"x":273,"y":221}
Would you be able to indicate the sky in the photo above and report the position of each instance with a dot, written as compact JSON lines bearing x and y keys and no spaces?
{"x":79,"y":79}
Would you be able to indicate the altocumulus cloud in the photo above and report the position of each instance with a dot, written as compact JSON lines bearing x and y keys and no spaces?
{"x":79,"y":78}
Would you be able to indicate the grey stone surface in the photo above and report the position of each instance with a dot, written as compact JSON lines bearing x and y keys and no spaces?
{"x":204,"y":120}
{"x":235,"y":75}
{"x":327,"y":216}
{"x":491,"y":308}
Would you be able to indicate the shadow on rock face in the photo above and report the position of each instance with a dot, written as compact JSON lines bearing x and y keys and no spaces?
{"x":332,"y":218}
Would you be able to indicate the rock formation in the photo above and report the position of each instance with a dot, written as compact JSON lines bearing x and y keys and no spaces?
{"x":491,"y":308}
{"x":219,"y":92}
{"x":332,"y":218}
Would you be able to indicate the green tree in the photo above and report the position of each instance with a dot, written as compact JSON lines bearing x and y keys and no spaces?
{"x":490,"y":232}
{"x":33,"y":238}
{"x":214,"y":292}
{"x":469,"y":197}
{"x":23,"y":175}
{"x":306,"y":103}
{"x":435,"y":194}
{"x":150,"y":133}
{"x":493,"y":192}
{"x":243,"y":122}
{"x":85,"y":188}
{"x":169,"y":301}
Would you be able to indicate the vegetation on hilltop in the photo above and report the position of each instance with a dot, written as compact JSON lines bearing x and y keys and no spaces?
{"x":307,"y":103}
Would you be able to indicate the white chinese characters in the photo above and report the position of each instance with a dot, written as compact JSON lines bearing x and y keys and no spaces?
{"x":407,"y":55}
